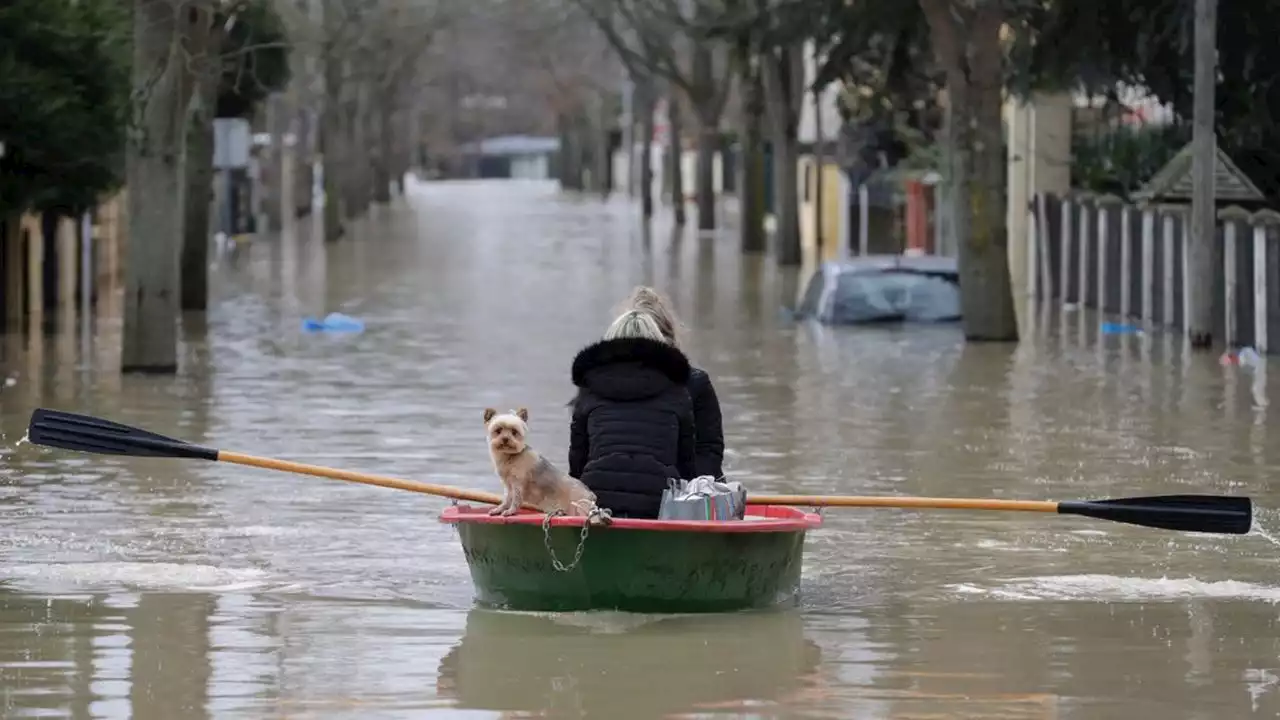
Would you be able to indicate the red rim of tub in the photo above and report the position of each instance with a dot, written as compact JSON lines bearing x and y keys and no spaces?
{"x":777,"y":518}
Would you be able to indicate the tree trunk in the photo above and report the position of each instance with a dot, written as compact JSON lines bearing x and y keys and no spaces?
{"x":386,"y":150}
{"x":197,"y":202}
{"x":1204,"y":255}
{"x":562,"y":157}
{"x":331,"y":170}
{"x":570,"y":154}
{"x":604,"y":152}
{"x":632,"y":98}
{"x":644,"y":101}
{"x":154,"y":172}
{"x":707,"y":108}
{"x":203,"y":46}
{"x":402,"y":149}
{"x":786,"y":155}
{"x":331,"y":150}
{"x":353,"y":158}
{"x":675,"y":158}
{"x":967,"y":44}
{"x":585,"y":146}
{"x":272,"y":164}
{"x":302,"y":155}
{"x":361,"y":164}
{"x":401,"y":162}
{"x":751,"y":161}
{"x":783,"y":79}
{"x":705,"y":175}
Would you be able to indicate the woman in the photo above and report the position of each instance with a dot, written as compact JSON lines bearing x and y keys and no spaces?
{"x":706,"y":406}
{"x":633,"y":426}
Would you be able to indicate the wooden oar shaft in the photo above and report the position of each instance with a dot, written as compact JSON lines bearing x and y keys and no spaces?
{"x":1044,"y":506}
{"x":357,"y":477}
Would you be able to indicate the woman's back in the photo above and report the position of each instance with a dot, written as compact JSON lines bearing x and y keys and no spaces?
{"x":708,"y":423}
{"x":632,"y":425}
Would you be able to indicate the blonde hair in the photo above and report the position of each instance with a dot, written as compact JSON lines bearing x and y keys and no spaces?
{"x":647,"y":300}
{"x":635,"y":324}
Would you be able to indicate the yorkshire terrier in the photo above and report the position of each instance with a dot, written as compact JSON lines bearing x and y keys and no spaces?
{"x":527,"y":477}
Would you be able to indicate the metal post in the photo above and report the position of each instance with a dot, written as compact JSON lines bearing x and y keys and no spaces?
{"x":86,"y":277}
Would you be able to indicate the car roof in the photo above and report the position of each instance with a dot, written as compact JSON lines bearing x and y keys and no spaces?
{"x":923,"y":264}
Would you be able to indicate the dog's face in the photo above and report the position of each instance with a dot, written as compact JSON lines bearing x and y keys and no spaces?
{"x":506,"y":431}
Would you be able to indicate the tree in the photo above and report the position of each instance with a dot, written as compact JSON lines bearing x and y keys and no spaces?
{"x":782,"y":72}
{"x":177,"y":68}
{"x":162,"y":88}
{"x":177,"y":63}
{"x":556,"y":47}
{"x":746,"y":61}
{"x":367,"y":56}
{"x":674,"y":40}
{"x":235,"y":62}
{"x":966,"y":41}
{"x":769,"y":37}
{"x":253,"y":57}
{"x":1095,"y":45}
{"x":876,"y":46}
{"x":64,"y":79}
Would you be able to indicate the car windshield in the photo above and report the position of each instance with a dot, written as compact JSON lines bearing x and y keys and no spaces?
{"x":893,"y":295}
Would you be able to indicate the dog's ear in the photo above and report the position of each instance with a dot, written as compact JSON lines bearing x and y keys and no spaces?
{"x":488,"y":415}
{"x":523,"y":414}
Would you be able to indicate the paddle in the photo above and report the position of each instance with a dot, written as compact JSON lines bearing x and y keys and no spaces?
{"x":1189,"y":513}
{"x":83,"y":433}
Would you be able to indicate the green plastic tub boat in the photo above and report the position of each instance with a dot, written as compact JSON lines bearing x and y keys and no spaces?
{"x":530,"y":562}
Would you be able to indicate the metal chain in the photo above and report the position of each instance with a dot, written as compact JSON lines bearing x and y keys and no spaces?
{"x":577,"y":553}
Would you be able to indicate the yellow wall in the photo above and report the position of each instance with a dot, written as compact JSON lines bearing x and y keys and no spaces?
{"x":832,"y":233}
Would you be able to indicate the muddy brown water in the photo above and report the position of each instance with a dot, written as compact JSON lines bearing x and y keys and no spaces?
{"x":166,"y":590}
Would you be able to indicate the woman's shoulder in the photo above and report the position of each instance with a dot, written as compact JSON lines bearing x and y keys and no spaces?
{"x":699,"y":382}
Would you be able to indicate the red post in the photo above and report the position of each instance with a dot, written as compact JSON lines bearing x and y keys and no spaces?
{"x":917,"y":219}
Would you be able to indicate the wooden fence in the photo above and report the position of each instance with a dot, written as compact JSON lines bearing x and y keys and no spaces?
{"x":1128,"y":261}
{"x":48,"y":264}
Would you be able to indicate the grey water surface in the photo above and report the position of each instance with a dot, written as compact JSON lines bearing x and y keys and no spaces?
{"x":175,"y":590}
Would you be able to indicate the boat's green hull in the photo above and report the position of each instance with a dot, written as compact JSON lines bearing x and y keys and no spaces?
{"x":632,"y":570}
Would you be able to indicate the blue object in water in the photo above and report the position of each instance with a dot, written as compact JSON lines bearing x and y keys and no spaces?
{"x":1119,"y":329}
{"x":333,"y":323}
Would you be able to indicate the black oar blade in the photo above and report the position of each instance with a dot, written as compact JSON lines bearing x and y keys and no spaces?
{"x":1188,"y":513}
{"x":83,"y":433}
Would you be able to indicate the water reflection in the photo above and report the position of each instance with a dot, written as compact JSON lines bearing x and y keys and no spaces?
{"x":106,"y":655}
{"x":162,"y":589}
{"x":608,"y":665}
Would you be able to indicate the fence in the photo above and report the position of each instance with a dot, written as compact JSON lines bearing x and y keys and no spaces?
{"x":49,"y":263}
{"x":1128,"y":261}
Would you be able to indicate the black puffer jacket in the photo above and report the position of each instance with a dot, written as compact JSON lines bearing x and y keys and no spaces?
{"x":707,"y":424}
{"x":632,"y":423}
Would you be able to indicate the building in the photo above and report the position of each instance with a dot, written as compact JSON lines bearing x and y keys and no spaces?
{"x":516,"y":157}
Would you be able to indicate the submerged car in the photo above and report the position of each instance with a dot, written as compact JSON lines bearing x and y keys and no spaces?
{"x":883,"y":288}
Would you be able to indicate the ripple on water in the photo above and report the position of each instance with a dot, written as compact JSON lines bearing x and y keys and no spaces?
{"x":327,"y":598}
{"x":1112,"y":588}
{"x":188,"y":577}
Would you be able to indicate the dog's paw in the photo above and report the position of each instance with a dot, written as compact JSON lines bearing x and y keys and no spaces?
{"x":496,"y":510}
{"x":509,"y":512}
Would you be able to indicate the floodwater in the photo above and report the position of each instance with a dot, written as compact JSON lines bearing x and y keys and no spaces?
{"x":167,"y":590}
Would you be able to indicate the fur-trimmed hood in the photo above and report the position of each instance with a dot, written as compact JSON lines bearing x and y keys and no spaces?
{"x":630,"y":368}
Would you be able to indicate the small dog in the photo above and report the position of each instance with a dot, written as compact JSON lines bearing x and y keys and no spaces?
{"x":527,"y":477}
